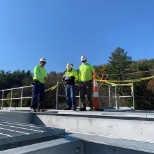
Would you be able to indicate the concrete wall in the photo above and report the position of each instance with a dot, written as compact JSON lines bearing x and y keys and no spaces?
{"x":125,"y":128}
{"x":96,"y":148}
{"x":16,"y":116}
{"x":59,"y":146}
{"x":139,"y":129}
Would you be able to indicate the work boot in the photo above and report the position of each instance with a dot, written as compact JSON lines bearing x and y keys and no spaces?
{"x":91,"y":109}
{"x":83,"y":109}
{"x":67,"y":108}
{"x":74,"y":109}
{"x":40,"y":110}
{"x":33,"y":110}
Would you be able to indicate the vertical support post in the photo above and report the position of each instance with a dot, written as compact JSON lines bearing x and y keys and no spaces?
{"x":109,"y":95}
{"x":132,"y":93}
{"x":116,"y":97}
{"x":11,"y":98}
{"x":21,"y":97}
{"x":2,"y":98}
{"x":57,"y":96}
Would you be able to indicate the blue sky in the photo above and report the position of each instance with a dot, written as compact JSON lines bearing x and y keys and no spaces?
{"x":64,"y":30}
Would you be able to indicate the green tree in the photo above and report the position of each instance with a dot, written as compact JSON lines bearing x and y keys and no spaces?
{"x":15,"y":102}
{"x":143,"y":90}
{"x":119,"y":64}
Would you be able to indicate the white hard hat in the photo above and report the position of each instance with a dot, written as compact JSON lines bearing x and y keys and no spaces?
{"x":69,"y":66}
{"x":83,"y":58}
{"x":43,"y":59}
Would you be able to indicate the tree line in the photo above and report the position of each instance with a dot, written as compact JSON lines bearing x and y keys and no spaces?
{"x":120,"y":67}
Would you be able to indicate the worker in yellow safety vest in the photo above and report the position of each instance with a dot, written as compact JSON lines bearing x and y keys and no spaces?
{"x":70,"y":77}
{"x":38,"y":89}
{"x":86,"y":71}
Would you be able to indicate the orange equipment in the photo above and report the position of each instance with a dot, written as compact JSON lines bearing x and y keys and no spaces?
{"x":103,"y":78}
{"x":95,"y":93}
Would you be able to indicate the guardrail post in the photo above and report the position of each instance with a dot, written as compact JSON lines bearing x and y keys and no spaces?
{"x":11,"y":98}
{"x":132,"y":94}
{"x":57,"y":96}
{"x":21,"y":97}
{"x":2,"y":98}
{"x":109,"y":87}
{"x":116,"y":101}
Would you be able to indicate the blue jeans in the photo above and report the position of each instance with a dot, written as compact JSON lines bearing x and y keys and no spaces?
{"x":37,"y":92}
{"x":70,"y":96}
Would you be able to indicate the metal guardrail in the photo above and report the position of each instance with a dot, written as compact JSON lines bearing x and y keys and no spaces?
{"x":11,"y":98}
{"x":57,"y":95}
{"x":116,"y":97}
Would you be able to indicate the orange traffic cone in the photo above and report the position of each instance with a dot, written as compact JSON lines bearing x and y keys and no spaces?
{"x":95,"y":93}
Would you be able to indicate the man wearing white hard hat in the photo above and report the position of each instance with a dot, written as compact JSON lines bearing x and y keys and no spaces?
{"x":38,"y":90}
{"x":86,"y":71}
{"x":70,"y":77}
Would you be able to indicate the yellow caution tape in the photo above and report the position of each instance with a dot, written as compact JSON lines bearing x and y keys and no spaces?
{"x":52,"y":88}
{"x":113,"y":82}
{"x":125,"y":81}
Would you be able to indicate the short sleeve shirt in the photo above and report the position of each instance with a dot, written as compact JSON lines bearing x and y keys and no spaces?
{"x":86,"y":72}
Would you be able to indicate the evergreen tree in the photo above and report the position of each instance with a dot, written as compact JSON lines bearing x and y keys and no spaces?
{"x":119,"y":64}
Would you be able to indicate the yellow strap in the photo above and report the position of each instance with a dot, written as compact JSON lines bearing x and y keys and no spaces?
{"x":52,"y":88}
{"x":112,"y":82}
{"x":132,"y":80}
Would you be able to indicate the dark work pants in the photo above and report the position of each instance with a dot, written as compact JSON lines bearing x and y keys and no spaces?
{"x":37,"y":94}
{"x":70,"y":96}
{"x":86,"y":88}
